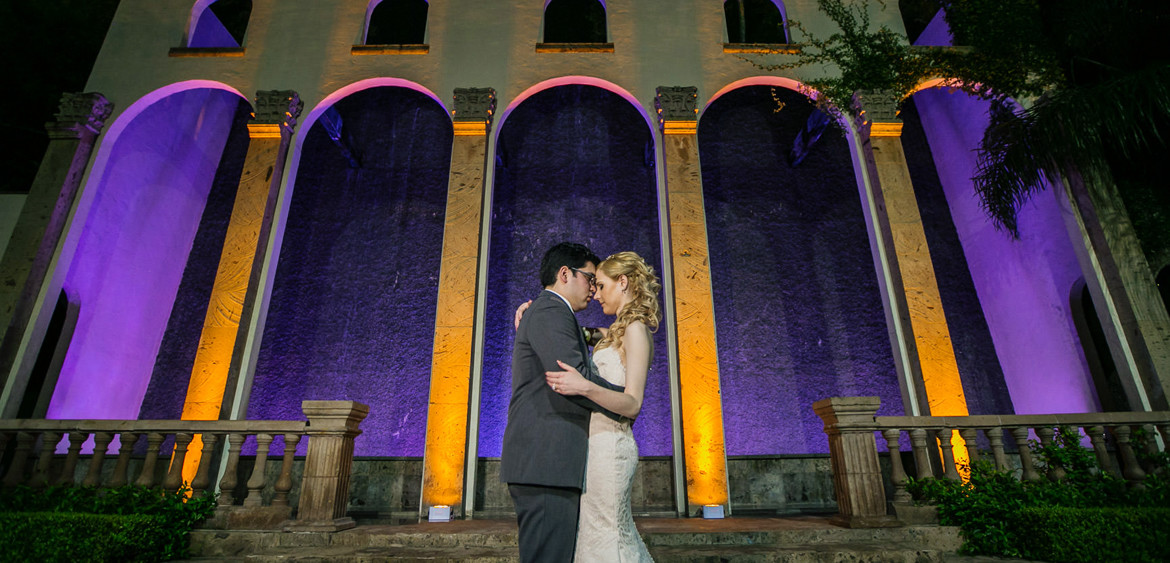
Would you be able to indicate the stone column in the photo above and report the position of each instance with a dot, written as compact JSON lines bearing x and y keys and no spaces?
{"x":881,"y":132}
{"x":1124,"y":289}
{"x":325,"y":485}
{"x":240,"y":262}
{"x":857,"y":477}
{"x":698,"y":363}
{"x":445,"y":452}
{"x":72,"y":135}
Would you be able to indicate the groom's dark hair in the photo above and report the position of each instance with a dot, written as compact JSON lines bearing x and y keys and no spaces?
{"x":568,"y":254}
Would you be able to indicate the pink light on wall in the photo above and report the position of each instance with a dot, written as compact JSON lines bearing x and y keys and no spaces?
{"x":133,"y":235}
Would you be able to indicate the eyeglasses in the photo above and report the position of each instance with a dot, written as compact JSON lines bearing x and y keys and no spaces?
{"x":591,"y":278}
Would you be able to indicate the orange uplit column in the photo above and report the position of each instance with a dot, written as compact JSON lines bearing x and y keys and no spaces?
{"x":269,"y":135}
{"x":446,"y":441}
{"x":700,"y":401}
{"x":932,"y":337}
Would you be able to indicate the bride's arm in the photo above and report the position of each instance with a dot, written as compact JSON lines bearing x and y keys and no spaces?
{"x":636,"y":344}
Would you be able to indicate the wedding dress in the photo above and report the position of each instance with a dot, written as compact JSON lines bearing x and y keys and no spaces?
{"x":606,"y":531}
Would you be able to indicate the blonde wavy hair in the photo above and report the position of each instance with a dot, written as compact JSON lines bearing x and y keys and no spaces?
{"x":642,"y":306}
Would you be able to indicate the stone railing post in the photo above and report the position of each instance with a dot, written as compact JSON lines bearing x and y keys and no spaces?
{"x":325,"y":487}
{"x":857,"y":477}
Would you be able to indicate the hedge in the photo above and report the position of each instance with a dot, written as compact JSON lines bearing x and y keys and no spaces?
{"x":72,"y":536}
{"x":1073,"y":535}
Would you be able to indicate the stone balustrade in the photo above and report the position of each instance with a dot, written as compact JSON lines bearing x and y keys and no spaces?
{"x":330,"y":429}
{"x":852,"y":427}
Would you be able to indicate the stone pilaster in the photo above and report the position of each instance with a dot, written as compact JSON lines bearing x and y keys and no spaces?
{"x":857,"y":477}
{"x":325,"y":485}
{"x":1124,"y":290}
{"x":445,"y":452}
{"x":243,"y":255}
{"x":72,"y":135}
{"x":900,"y":218}
{"x":698,"y":364}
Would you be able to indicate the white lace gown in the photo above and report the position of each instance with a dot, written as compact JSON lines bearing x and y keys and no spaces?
{"x":606,"y":531}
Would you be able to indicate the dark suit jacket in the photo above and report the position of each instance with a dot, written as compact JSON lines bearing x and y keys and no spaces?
{"x":547,"y":435}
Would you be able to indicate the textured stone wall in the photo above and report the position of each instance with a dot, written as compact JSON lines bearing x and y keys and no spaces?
{"x":353,"y":303}
{"x":797,"y":309}
{"x":572,"y":163}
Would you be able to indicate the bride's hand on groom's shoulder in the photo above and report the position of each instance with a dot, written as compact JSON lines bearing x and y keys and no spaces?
{"x":520,"y":312}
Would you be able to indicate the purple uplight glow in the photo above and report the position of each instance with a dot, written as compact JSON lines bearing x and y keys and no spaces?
{"x":148,"y":194}
{"x":797,"y":309}
{"x":574,"y":162}
{"x":352,"y":313}
{"x":1024,"y":285}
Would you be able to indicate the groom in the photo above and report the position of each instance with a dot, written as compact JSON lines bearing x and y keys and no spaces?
{"x":547,"y":435}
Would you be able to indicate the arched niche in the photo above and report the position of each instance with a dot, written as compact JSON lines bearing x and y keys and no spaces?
{"x":574,"y":162}
{"x":352,"y":308}
{"x":756,"y":21}
{"x":135,"y":229}
{"x":1022,"y":284}
{"x":574,"y":21}
{"x":219,"y":23}
{"x":798,"y":312}
{"x":391,"y":22}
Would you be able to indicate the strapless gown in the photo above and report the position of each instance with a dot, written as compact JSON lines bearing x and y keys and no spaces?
{"x":606,"y":531}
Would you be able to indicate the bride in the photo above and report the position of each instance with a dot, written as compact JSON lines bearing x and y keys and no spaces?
{"x":628,"y":288}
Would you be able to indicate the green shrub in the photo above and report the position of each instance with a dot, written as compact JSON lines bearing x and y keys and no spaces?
{"x":1068,"y":535}
{"x":71,"y":536}
{"x":989,"y":505}
{"x":145,"y":524}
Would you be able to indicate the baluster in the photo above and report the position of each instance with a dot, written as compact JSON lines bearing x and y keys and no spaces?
{"x":227,"y":484}
{"x":24,"y":447}
{"x":1104,"y":461}
{"x":1029,"y":469}
{"x":202,"y":479}
{"x":256,"y":482}
{"x":1164,"y":430}
{"x":40,"y":477}
{"x":284,"y":482}
{"x":1151,"y":447}
{"x":1130,"y":468}
{"x":121,"y":475}
{"x":897,"y":474}
{"x":175,"y":475}
{"x":101,"y":441}
{"x":948,"y":453}
{"x":921,"y":454}
{"x":969,"y":436}
{"x":76,"y":439}
{"x":995,"y":437}
{"x":153,"y":441}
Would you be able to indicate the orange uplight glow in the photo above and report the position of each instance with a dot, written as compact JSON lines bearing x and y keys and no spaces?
{"x":221,"y":326}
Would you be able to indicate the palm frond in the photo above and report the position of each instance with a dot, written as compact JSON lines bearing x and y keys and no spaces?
{"x":1070,"y":130}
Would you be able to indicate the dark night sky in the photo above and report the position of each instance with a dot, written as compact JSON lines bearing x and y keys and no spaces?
{"x":49,"y":48}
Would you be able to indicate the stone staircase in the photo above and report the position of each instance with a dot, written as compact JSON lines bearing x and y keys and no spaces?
{"x":759,"y":539}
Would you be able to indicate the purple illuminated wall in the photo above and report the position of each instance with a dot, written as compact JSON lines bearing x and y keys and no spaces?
{"x":572,"y":163}
{"x":983,"y":383}
{"x":797,"y":309}
{"x":353,"y":304}
{"x":133,"y":246}
{"x":1024,"y":285}
{"x":176,"y":355}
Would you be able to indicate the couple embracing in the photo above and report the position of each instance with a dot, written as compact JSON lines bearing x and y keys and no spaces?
{"x":569,"y":454}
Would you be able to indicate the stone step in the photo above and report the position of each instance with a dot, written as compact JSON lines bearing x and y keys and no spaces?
{"x":669,"y":539}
